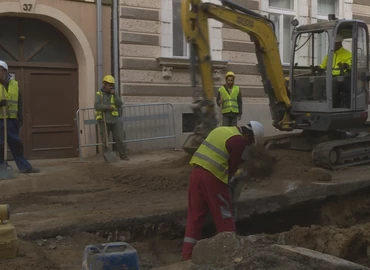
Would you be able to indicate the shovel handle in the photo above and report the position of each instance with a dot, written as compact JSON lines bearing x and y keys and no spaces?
{"x":105,"y":131}
{"x":5,"y":128}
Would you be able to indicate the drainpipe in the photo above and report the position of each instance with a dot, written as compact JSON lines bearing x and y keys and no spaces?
{"x":99,"y":53}
{"x":115,"y":46}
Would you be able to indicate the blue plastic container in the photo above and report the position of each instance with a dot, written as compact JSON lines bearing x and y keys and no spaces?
{"x":111,"y":256}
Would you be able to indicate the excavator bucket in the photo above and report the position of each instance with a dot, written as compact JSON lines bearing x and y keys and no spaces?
{"x":260,"y":163}
{"x":192,"y":143}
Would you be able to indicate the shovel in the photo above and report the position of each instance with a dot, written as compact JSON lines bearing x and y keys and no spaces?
{"x":6,"y":171}
{"x":109,"y":156}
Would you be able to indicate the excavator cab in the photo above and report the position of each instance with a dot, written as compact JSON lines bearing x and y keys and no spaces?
{"x":329,"y":75}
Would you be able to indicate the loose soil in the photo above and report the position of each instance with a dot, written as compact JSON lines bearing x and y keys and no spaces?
{"x":70,"y":192}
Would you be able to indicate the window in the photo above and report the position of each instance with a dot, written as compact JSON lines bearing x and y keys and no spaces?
{"x":287,"y":4}
{"x":362,"y":62}
{"x":282,"y":12}
{"x":179,"y":44}
{"x":325,"y":7}
{"x":173,"y":42}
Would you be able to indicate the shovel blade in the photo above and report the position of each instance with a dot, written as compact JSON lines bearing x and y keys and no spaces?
{"x":110,"y":157}
{"x":6,"y":172}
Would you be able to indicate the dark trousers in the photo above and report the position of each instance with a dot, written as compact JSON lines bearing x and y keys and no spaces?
{"x":229,"y":120}
{"x":206,"y":193}
{"x":15,"y":144}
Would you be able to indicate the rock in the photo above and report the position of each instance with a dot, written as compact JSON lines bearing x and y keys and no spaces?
{"x":40,"y":243}
{"x":59,"y":238}
{"x":220,"y":248}
{"x":320,"y":174}
{"x":52,"y":246}
{"x":238,"y":260}
{"x":122,"y":238}
{"x":314,"y":259}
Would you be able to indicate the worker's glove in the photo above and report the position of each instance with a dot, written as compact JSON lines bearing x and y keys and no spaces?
{"x":3,"y":103}
{"x":317,"y":68}
{"x":343,"y":65}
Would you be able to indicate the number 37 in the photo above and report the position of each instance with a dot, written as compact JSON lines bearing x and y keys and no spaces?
{"x":27,"y":7}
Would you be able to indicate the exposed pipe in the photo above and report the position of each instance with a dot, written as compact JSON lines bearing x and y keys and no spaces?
{"x":115,"y":47}
{"x":99,"y":54}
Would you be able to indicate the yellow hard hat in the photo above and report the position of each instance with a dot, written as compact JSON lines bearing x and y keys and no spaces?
{"x":230,"y":73}
{"x":108,"y":79}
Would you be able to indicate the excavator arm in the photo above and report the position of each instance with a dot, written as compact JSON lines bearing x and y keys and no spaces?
{"x":195,"y":15}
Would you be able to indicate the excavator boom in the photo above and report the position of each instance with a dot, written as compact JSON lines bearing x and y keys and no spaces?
{"x":195,"y":15}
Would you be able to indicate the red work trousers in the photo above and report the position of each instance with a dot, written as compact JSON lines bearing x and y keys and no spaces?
{"x":206,"y":193}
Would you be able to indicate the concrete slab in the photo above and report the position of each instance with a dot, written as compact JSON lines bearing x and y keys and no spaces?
{"x":315,"y":259}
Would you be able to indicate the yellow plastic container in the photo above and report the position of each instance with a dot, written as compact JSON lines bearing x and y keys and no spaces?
{"x":8,"y":241}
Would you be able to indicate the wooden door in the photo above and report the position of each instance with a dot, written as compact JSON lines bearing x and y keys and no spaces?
{"x":50,"y":106}
{"x":44,"y":64}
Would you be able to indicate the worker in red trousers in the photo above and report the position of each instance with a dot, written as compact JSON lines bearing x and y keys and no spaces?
{"x":214,"y":163}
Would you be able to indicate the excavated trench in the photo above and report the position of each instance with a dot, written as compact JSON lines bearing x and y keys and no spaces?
{"x":338,"y":226}
{"x":342,"y":211}
{"x":305,"y":224}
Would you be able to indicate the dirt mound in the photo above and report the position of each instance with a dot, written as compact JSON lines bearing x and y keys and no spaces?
{"x":164,"y":177}
{"x":347,"y":243}
{"x":296,"y":165}
{"x":179,"y":163}
{"x":173,"y":175}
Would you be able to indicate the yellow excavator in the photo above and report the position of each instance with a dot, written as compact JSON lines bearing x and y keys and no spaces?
{"x":329,"y":106}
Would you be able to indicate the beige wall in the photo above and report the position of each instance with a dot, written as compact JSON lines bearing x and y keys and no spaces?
{"x":144,"y":70}
{"x":361,"y":10}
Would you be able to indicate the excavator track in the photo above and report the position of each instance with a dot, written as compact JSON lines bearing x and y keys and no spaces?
{"x":343,"y":153}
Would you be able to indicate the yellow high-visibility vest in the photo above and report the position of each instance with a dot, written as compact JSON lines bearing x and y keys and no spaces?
{"x":340,"y":56}
{"x":99,"y":114}
{"x":229,"y":101}
{"x":212,"y":154}
{"x":11,"y":96}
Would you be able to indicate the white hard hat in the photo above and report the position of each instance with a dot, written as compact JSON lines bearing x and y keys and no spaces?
{"x":4,"y":65}
{"x":258,"y":130}
{"x":339,"y":38}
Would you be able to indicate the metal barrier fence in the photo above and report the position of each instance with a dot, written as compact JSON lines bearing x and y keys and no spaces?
{"x":151,"y":125}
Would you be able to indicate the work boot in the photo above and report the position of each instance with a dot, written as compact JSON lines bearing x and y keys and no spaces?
{"x":32,"y":170}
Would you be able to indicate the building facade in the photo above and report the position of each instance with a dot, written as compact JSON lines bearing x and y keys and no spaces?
{"x":154,"y":53}
{"x":50,"y":47}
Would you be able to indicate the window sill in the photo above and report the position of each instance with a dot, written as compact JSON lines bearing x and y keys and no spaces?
{"x":168,"y":64}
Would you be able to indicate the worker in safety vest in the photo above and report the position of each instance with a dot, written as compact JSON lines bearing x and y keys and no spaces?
{"x":14,"y":119}
{"x":230,"y":100}
{"x":214,"y":163}
{"x":107,"y":101}
{"x":342,"y":59}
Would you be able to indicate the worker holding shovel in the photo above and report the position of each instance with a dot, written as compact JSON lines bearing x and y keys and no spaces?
{"x":10,"y":123}
{"x":106,"y":107}
{"x":214,"y":163}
